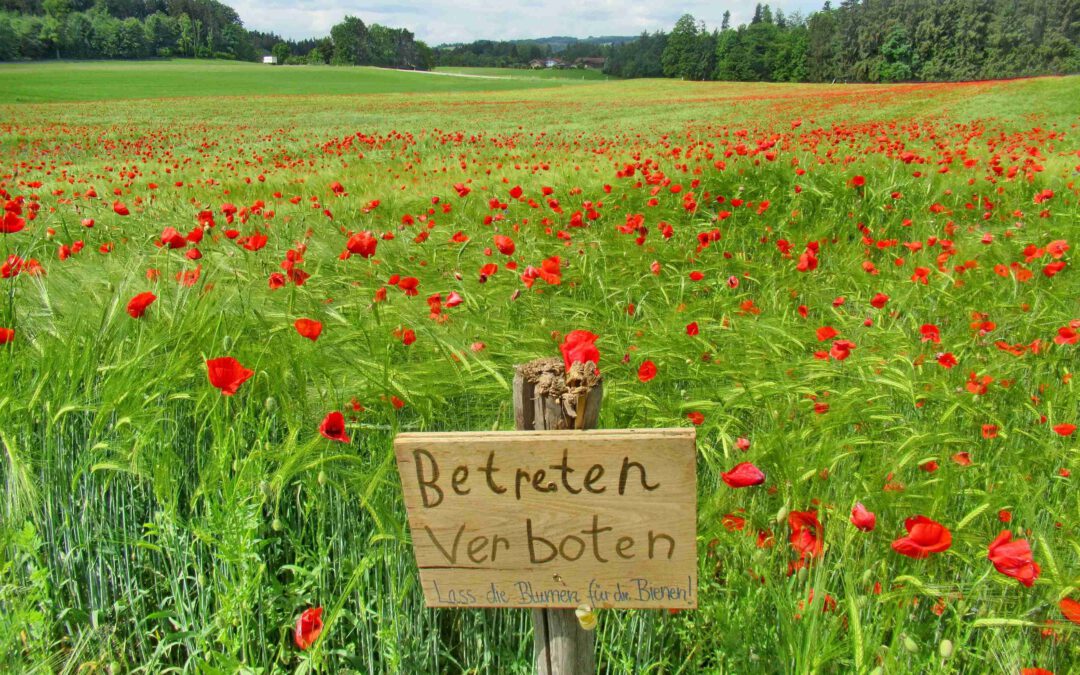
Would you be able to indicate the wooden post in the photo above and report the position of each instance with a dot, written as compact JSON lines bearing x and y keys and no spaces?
{"x":546,"y":397}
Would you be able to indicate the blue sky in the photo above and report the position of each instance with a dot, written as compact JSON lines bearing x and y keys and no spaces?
{"x":442,"y":21}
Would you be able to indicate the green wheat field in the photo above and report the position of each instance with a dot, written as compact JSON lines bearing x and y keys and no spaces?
{"x":869,"y":292}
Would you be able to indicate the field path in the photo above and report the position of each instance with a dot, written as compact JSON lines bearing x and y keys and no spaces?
{"x":432,"y":72}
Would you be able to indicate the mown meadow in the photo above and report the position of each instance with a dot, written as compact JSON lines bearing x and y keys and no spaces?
{"x":865,"y":293}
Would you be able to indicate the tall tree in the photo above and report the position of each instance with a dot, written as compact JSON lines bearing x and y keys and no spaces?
{"x":681,"y":53}
{"x":350,"y":39}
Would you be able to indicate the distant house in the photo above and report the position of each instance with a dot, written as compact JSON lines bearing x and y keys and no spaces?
{"x":536,"y":64}
{"x":590,"y":62}
{"x":554,"y":63}
{"x":272,"y":60}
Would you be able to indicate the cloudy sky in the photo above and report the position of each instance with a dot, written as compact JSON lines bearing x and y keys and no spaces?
{"x":442,"y":21}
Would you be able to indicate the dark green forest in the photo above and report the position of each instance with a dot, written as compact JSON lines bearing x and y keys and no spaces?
{"x":136,"y":29}
{"x":867,"y":41}
{"x":855,"y":41}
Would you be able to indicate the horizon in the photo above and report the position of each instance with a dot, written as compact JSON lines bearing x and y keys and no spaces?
{"x":440,"y":23}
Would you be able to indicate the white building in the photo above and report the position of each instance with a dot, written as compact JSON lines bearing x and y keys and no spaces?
{"x":272,"y":60}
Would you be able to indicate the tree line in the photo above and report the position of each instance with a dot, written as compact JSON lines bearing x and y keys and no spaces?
{"x":121,"y":29}
{"x":866,"y":41}
{"x":518,"y":53}
{"x":134,"y":29}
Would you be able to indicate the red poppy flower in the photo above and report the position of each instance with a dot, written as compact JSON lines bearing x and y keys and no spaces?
{"x":1057,"y":248}
{"x":962,"y":458}
{"x":1067,"y":336}
{"x":453,"y":300}
{"x":227,"y":374}
{"x":879,"y":300}
{"x":1051,"y":269}
{"x":1013,"y":558}
{"x":742,"y":443}
{"x":1036,"y":671}
{"x":925,"y":537}
{"x":863,"y":519}
{"x":841,"y":349}
{"x":733,"y":523}
{"x":172,"y":238}
{"x":1064,"y":429}
{"x":11,"y":223}
{"x":808,"y":261}
{"x":807,"y":535}
{"x":930,"y":333}
{"x":333,"y":427}
{"x":255,"y":242}
{"x":1070,"y":609}
{"x":692,"y":329}
{"x":579,"y":346}
{"x":308,"y":328}
{"x":362,"y":244}
{"x":946,"y":360}
{"x":646,"y":371}
{"x":696,"y":418}
{"x":6,"y":335}
{"x":505,"y":244}
{"x":826,"y":333}
{"x":308,"y":627}
{"x":120,"y":208}
{"x":137,"y":306}
{"x":743,"y":475}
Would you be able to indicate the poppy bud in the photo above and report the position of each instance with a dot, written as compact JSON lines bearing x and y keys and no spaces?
{"x":803,"y":573}
{"x":227,"y":342}
{"x":267,"y":491}
{"x":910,"y":645}
{"x":322,"y":478}
{"x":276,"y":525}
{"x":946,"y":649}
{"x":270,"y":404}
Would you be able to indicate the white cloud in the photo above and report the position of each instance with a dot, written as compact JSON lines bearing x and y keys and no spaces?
{"x":442,"y":21}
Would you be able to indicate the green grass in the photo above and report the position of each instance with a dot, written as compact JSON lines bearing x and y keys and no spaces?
{"x":574,"y":74}
{"x":183,"y":78}
{"x":150,"y":524}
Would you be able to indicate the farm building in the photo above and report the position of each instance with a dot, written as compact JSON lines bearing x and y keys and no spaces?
{"x":590,"y":62}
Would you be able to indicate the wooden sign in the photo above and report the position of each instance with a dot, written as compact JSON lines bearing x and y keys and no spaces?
{"x":553,"y":518}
